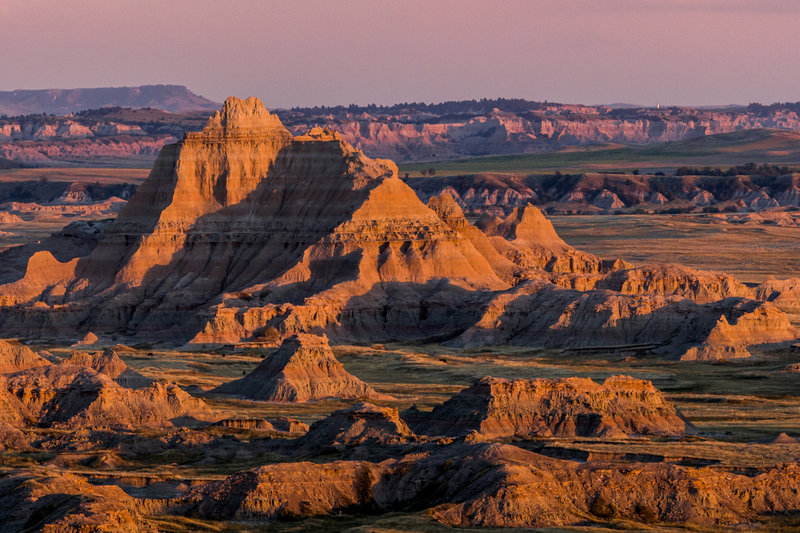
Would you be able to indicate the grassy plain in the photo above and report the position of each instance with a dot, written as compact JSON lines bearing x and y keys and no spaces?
{"x":724,"y":150}
{"x":751,"y":252}
{"x":77,"y":174}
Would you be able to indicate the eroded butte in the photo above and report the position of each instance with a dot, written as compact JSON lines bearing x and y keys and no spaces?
{"x":305,"y":339}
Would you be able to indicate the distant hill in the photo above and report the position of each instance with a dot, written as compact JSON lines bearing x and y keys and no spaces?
{"x":172,"y":98}
{"x":7,"y":163}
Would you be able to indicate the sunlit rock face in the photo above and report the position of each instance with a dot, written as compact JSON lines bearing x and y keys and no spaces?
{"x":302,"y":369}
{"x":497,"y":408}
{"x":243,"y":232}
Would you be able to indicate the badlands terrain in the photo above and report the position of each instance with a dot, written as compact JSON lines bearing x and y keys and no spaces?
{"x":120,"y":126}
{"x":274,"y":331}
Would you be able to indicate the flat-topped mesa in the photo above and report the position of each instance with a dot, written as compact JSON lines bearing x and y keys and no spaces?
{"x":302,"y":369}
{"x":497,"y":408}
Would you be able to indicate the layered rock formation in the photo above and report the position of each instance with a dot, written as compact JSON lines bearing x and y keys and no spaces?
{"x":66,"y":502}
{"x":749,"y":192}
{"x":699,"y":286}
{"x":602,"y":319}
{"x":785,"y":293}
{"x":245,"y":233}
{"x":108,"y":362}
{"x":70,"y":397}
{"x":502,"y":486}
{"x":302,"y":369}
{"x":363,"y":424}
{"x":496,"y":408}
{"x":15,"y":357}
{"x":77,"y":239}
{"x":451,"y":129}
{"x":285,"y":425}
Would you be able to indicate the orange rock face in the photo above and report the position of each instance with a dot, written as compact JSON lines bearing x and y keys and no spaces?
{"x":68,"y":397}
{"x":16,"y":357}
{"x":493,"y":408}
{"x":68,"y":503}
{"x":594,"y":319}
{"x":303,"y":369}
{"x":499,"y":485}
{"x":362,"y":424}
{"x":243,"y":232}
{"x":108,"y":362}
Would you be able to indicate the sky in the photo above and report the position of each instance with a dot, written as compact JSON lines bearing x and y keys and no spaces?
{"x":328,"y":52}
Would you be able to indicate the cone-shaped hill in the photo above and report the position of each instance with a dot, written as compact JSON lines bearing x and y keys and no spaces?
{"x":302,"y":369}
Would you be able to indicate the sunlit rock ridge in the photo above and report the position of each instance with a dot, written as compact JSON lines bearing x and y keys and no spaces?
{"x":245,"y":233}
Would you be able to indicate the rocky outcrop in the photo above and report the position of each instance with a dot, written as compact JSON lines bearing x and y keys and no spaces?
{"x":245,"y":233}
{"x":15,"y":357}
{"x":242,"y":212}
{"x":302,"y":369}
{"x":747,"y":193}
{"x":12,"y":412}
{"x":284,"y":425}
{"x":69,"y":397}
{"x":287,"y":491}
{"x":675,"y":280}
{"x":602,"y":319}
{"x":497,"y":408}
{"x":88,"y":340}
{"x":108,"y":362}
{"x":502,"y":486}
{"x":729,"y":339}
{"x":77,"y":239}
{"x":363,"y":424}
{"x":527,"y":227}
{"x":785,"y":294}
{"x":67,"y":502}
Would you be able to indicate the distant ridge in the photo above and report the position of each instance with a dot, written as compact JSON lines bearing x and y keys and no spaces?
{"x":172,"y":98}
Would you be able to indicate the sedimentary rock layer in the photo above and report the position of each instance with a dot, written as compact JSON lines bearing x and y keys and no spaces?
{"x":302,"y":369}
{"x":493,"y":408}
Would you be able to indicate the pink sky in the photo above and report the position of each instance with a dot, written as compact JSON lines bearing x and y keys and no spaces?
{"x":686,"y":52}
